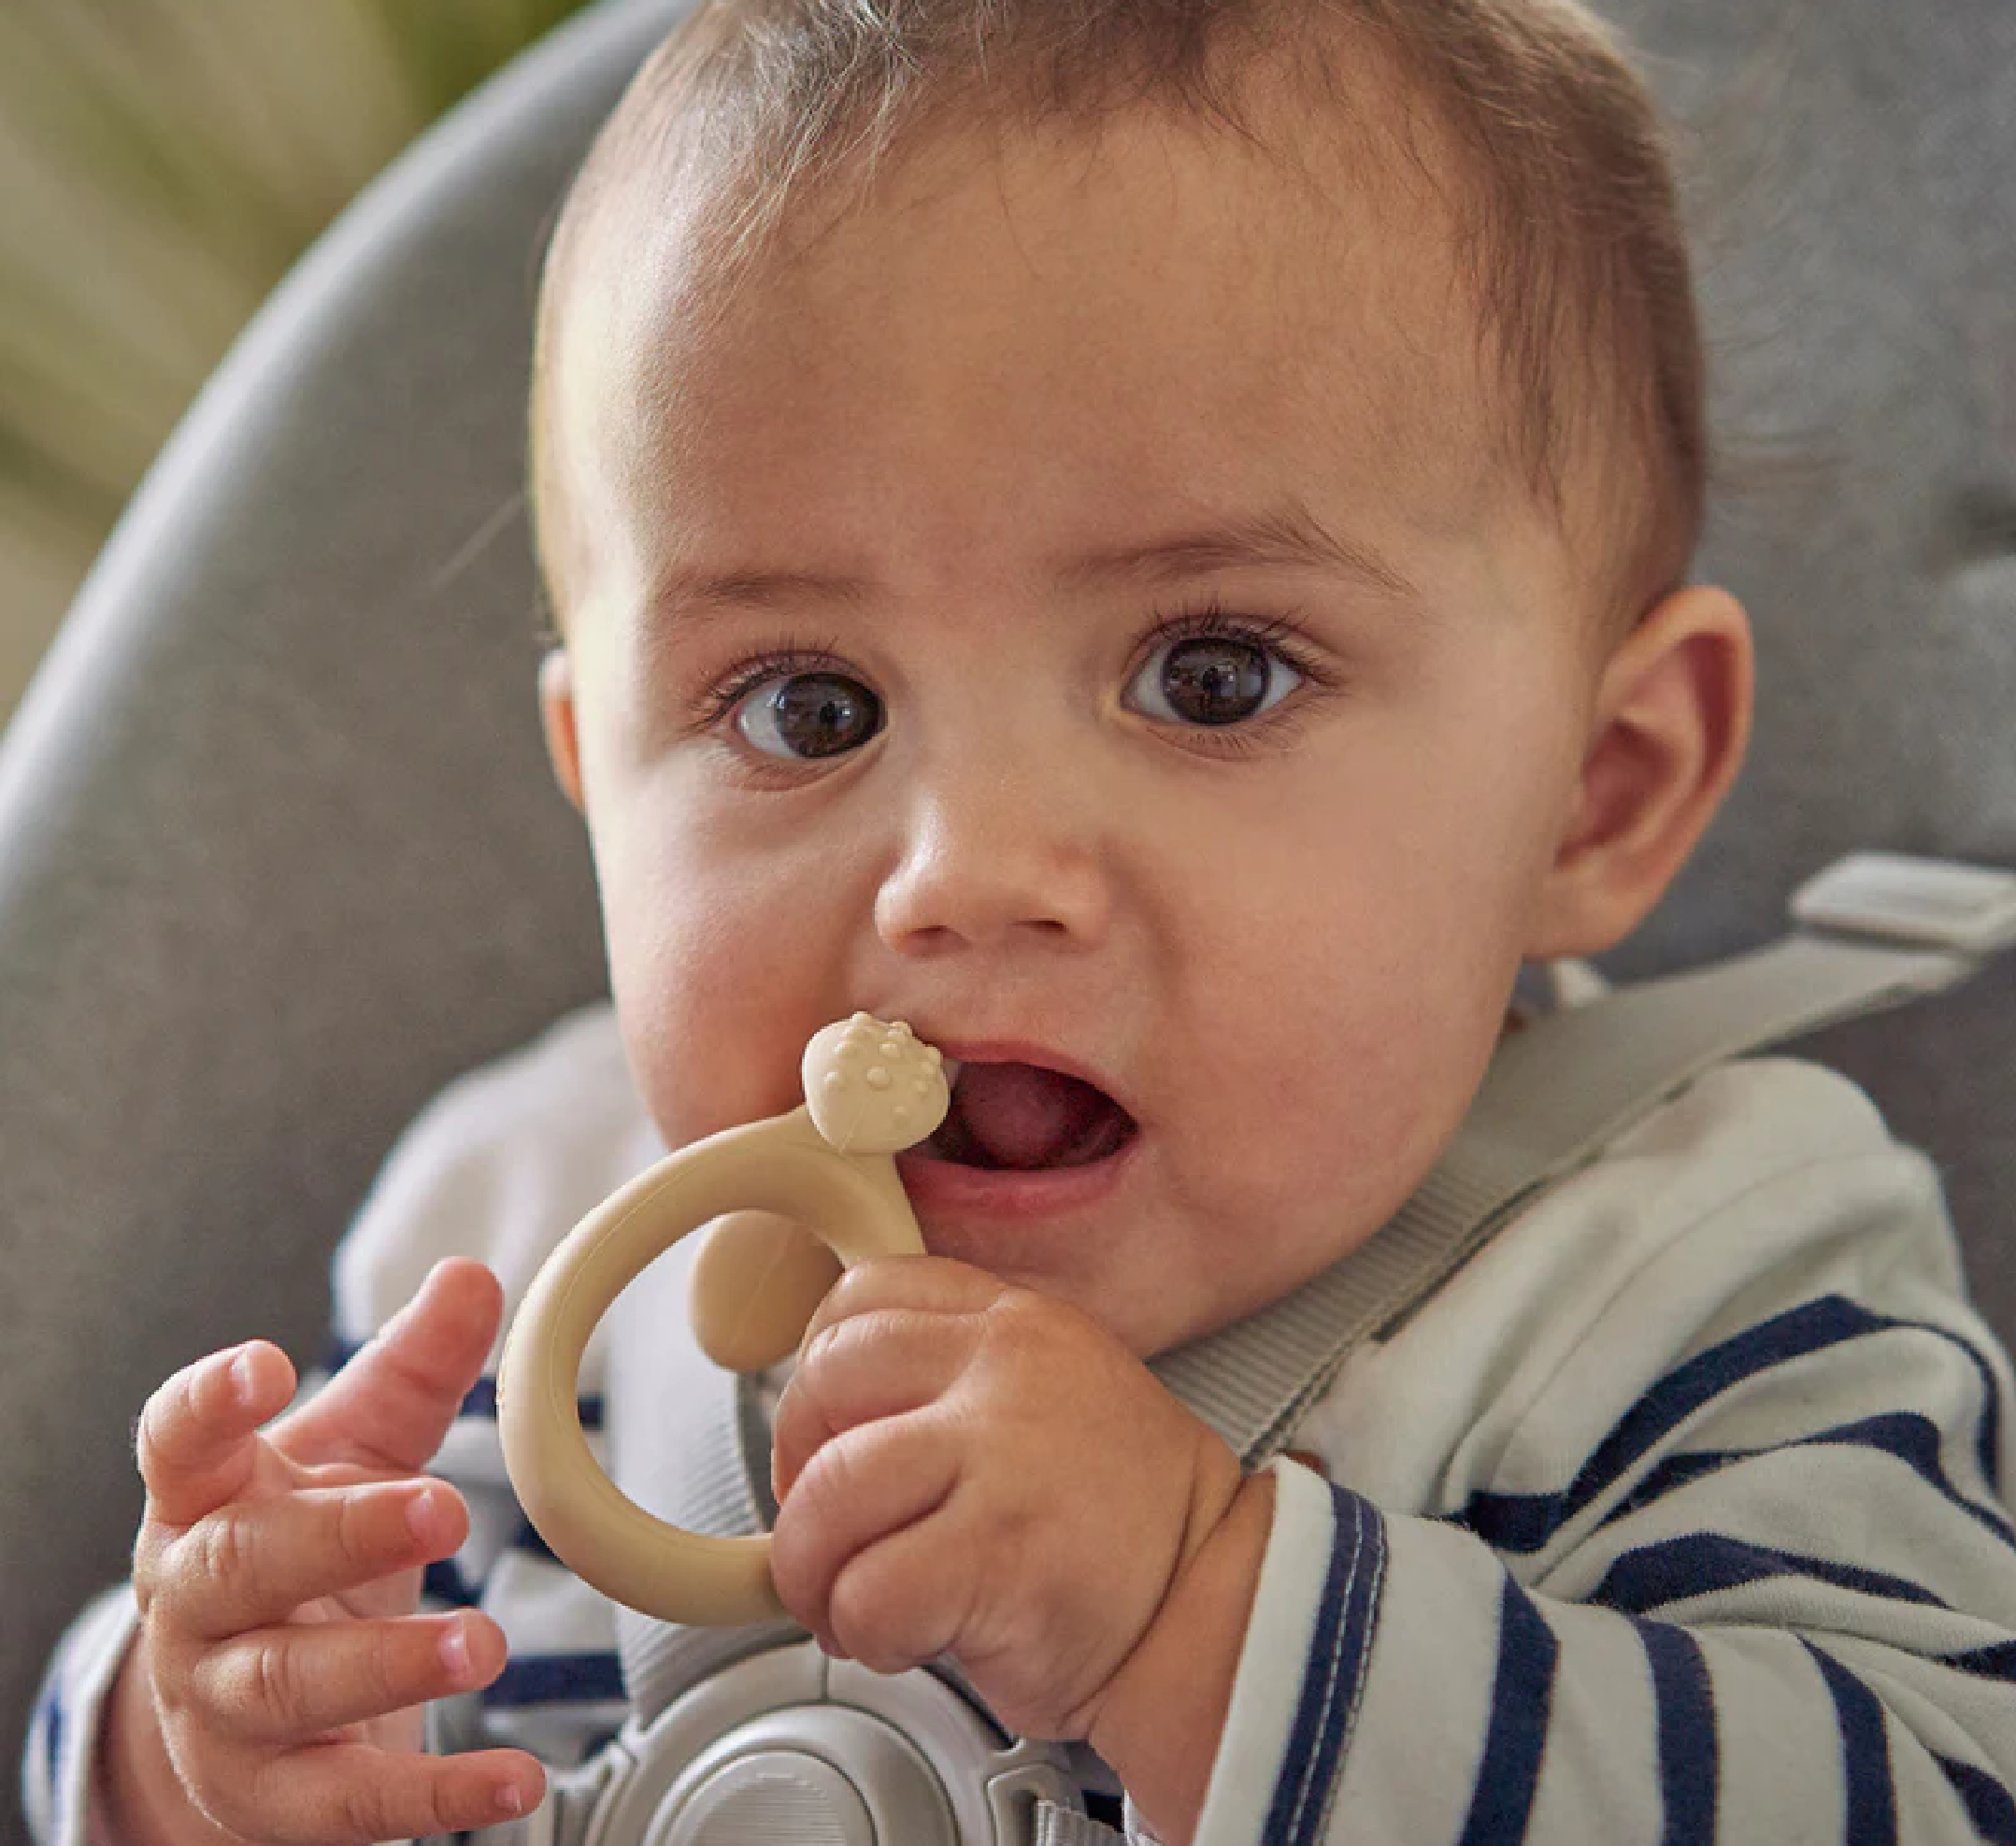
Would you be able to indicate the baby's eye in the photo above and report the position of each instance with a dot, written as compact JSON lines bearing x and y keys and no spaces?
{"x":1210,"y":680}
{"x":807,"y":715}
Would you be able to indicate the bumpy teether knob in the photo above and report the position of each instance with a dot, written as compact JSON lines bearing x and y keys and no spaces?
{"x":873,"y":1088}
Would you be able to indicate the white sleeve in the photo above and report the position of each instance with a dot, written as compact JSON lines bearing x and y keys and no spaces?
{"x":1732,"y":1564}
{"x":57,"y":1767}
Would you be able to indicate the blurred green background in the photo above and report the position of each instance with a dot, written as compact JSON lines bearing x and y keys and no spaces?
{"x":161,"y":164}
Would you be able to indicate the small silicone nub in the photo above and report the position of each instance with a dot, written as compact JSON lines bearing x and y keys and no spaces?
{"x":755,"y":1284}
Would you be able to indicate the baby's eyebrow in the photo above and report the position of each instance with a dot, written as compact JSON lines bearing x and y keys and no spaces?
{"x":1289,"y":537}
{"x":694,"y":595}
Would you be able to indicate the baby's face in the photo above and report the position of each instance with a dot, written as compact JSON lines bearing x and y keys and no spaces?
{"x":1079,"y":609}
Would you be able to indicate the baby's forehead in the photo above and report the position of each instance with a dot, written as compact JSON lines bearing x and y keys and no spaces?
{"x":1325,"y":281}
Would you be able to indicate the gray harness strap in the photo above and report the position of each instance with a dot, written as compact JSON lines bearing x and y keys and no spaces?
{"x":1557,"y":1092}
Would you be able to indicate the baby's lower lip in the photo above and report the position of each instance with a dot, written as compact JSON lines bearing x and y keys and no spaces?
{"x":1004,"y":1192}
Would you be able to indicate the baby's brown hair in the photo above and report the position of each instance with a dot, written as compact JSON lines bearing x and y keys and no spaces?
{"x":1568,"y":225}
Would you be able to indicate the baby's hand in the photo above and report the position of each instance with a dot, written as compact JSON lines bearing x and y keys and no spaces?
{"x":973,"y":1469}
{"x":280,"y":1661}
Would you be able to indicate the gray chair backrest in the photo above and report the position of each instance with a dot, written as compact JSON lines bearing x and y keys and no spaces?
{"x":278,"y":851}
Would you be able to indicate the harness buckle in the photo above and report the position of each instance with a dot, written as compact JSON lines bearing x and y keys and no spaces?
{"x":1927,"y":903}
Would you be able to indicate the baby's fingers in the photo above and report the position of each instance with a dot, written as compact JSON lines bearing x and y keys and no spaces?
{"x":305,"y":1680}
{"x":854,"y":1494}
{"x":197,"y":1441}
{"x":865,"y":1368}
{"x":253,"y":1563}
{"x":391,"y":1405}
{"x":345,"y":1794}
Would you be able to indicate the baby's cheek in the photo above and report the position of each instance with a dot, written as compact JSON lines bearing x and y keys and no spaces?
{"x":1336,"y":1153}
{"x":711,"y":1042}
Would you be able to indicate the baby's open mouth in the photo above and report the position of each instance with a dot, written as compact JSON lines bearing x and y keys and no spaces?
{"x":1022,"y":1118}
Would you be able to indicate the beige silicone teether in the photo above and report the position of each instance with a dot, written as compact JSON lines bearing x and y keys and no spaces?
{"x":870,"y":1090}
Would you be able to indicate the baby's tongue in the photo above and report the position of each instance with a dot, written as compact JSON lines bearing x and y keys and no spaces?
{"x":1023,"y":1117}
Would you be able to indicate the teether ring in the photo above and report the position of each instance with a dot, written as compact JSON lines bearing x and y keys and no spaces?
{"x":870,"y":1090}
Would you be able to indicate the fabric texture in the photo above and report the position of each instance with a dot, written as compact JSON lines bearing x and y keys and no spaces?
{"x":1679,"y":1508}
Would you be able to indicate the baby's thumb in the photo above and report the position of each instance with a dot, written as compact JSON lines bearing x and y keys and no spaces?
{"x":389,"y":1407}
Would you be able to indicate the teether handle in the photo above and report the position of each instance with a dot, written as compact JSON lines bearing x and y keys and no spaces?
{"x":854,"y":1203}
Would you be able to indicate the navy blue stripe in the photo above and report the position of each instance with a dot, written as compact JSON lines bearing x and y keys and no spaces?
{"x":1338,"y":1651}
{"x":1521,"y":1698}
{"x":1519,"y":1523}
{"x":1689,"y":1755}
{"x":1678,"y":1471}
{"x":1361,"y":1619}
{"x":1291,"y":1787}
{"x":442,"y":1582}
{"x":1988,"y":1802}
{"x":556,"y":1679}
{"x":1701,"y":1563}
{"x":52,"y":1738}
{"x":1988,"y":1441}
{"x":1997,"y":1662}
{"x":1903,"y":1435}
{"x":1524,"y":1522}
{"x":481,"y":1401}
{"x":1872,"y":1800}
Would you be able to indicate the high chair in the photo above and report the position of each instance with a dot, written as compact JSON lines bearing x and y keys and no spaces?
{"x":279,"y":851}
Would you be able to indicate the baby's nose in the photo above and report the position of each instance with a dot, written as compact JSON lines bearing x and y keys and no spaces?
{"x":1011,"y":853}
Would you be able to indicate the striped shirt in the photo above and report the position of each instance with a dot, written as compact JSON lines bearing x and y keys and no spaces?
{"x":1676,"y":1516}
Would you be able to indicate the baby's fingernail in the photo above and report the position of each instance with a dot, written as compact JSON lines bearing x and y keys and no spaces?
{"x":511,"y":1799}
{"x":423,"y":1517}
{"x":455,"y":1650}
{"x":245,"y":1378}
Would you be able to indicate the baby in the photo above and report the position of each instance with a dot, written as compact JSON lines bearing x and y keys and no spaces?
{"x":1148,"y":539}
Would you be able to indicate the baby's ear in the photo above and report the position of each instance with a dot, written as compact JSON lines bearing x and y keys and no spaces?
{"x":557,"y":715}
{"x":1668,"y":727}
